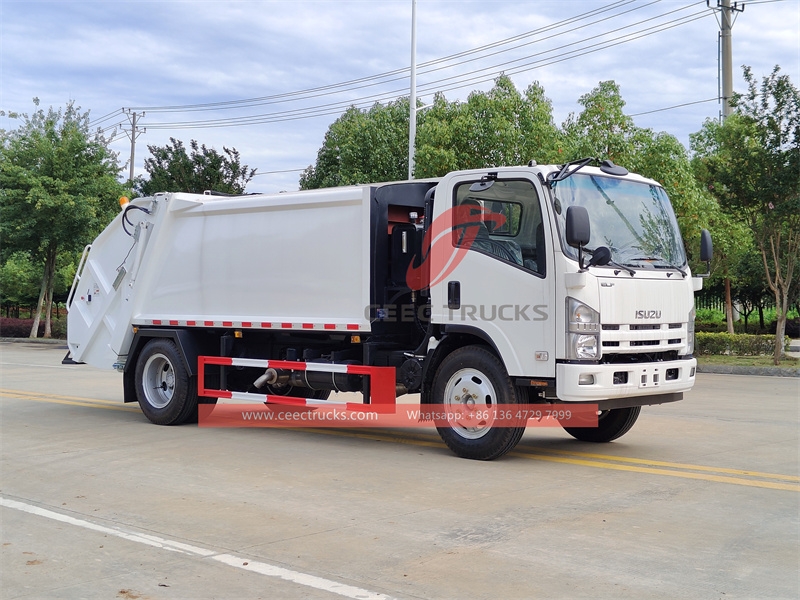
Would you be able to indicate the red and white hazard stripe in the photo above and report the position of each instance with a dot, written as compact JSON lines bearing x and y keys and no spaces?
{"x":251,"y":324}
{"x":382,"y":381}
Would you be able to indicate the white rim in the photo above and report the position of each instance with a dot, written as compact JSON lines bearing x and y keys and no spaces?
{"x":159,"y":381}
{"x":471,"y":392}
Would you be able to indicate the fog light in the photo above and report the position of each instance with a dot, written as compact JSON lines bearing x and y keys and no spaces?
{"x":586,"y":379}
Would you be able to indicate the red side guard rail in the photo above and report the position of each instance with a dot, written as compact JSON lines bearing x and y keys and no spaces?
{"x":381,"y":388}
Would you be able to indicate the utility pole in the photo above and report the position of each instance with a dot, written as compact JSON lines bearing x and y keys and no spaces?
{"x":135,"y":132}
{"x":726,"y":11}
{"x":412,"y":96}
{"x":726,"y":67}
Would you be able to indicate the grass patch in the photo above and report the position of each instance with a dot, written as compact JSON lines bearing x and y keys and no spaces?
{"x":746,"y":361}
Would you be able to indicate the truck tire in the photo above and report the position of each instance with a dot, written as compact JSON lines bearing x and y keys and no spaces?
{"x":163,"y":385}
{"x":194,"y":416}
{"x":473,"y":376}
{"x":611,"y":424}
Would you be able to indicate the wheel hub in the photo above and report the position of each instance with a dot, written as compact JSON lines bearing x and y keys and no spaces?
{"x":470,"y":394}
{"x":159,"y":381}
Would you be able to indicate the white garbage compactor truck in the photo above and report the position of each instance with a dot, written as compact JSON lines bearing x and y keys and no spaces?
{"x":560,"y":284}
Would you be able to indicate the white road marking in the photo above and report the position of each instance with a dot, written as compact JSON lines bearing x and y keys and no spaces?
{"x":35,"y":366}
{"x":319,"y":583}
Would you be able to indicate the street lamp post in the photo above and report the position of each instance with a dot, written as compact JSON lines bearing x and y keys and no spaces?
{"x":412,"y":97}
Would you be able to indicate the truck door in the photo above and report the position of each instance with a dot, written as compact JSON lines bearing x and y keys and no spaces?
{"x":493,"y":276}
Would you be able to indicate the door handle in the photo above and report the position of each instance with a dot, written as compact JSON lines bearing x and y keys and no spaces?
{"x":453,"y":295}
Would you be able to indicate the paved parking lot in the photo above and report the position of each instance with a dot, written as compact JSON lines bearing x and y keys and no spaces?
{"x":700,"y":500}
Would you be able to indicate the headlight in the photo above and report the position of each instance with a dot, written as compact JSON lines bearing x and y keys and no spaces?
{"x":583,"y":331}
{"x":583,"y":347}
{"x":690,"y":332}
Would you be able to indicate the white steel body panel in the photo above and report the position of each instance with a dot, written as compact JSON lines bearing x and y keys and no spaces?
{"x":288,"y":259}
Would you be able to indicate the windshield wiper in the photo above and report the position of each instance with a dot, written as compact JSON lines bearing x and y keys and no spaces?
{"x":606,"y":166}
{"x":566,"y":171}
{"x":666,"y":264}
{"x":601,"y":256}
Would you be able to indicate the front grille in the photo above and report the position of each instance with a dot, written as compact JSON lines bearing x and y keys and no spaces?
{"x":641,"y":357}
{"x":634,"y":338}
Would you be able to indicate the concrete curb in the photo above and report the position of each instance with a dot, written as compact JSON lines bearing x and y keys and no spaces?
{"x":50,"y":342}
{"x":758,"y":371}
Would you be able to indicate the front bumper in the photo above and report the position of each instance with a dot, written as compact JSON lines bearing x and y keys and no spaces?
{"x":577,"y":382}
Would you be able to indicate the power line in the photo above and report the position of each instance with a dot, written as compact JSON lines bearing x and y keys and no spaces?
{"x":430,"y":66}
{"x":348,"y":84}
{"x":106,"y":117}
{"x":649,"y":112}
{"x":457,"y":81}
{"x":281,"y":171}
{"x":541,"y":59}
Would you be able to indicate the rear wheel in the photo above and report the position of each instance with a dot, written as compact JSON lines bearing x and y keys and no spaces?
{"x":611,"y":424}
{"x":472,"y":381}
{"x":163,"y":384}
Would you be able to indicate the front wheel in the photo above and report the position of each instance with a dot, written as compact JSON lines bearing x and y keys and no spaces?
{"x":163,"y":385}
{"x":473,"y":382}
{"x":611,"y":424}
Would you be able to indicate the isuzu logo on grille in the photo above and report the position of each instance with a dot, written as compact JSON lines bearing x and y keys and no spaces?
{"x":648,"y":314}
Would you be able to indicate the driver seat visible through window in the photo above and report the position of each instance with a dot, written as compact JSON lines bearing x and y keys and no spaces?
{"x":503,"y":219}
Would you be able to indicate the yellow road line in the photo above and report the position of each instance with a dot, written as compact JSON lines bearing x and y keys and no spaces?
{"x":654,"y":471}
{"x":584,"y":459}
{"x":661,"y":463}
{"x":687,"y":473}
{"x":68,"y":400}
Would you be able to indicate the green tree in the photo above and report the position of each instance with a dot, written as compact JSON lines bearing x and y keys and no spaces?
{"x":749,"y":287}
{"x":602,"y":129}
{"x":172,"y":169}
{"x":751,"y":162}
{"x":498,"y":127}
{"x":58,"y":187}
{"x":19,"y":281}
{"x":494,"y":128}
{"x":362,"y":146}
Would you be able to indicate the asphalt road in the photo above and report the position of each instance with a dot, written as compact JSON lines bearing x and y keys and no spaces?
{"x":701,"y":499}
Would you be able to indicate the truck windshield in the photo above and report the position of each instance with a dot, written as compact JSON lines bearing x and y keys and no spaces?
{"x":633,"y":219}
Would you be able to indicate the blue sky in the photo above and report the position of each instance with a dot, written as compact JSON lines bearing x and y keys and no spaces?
{"x":106,"y":55}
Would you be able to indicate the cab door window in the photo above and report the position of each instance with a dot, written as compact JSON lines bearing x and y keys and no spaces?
{"x":502,"y":219}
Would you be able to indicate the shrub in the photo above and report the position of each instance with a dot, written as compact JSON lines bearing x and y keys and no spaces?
{"x":21,"y":328}
{"x":738,"y":344}
{"x":711,"y":327}
{"x":709,"y":315}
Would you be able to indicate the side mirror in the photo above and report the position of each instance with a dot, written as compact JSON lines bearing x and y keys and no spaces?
{"x":578,"y":228}
{"x":601,"y":257}
{"x":706,"y":246}
{"x":706,"y":251}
